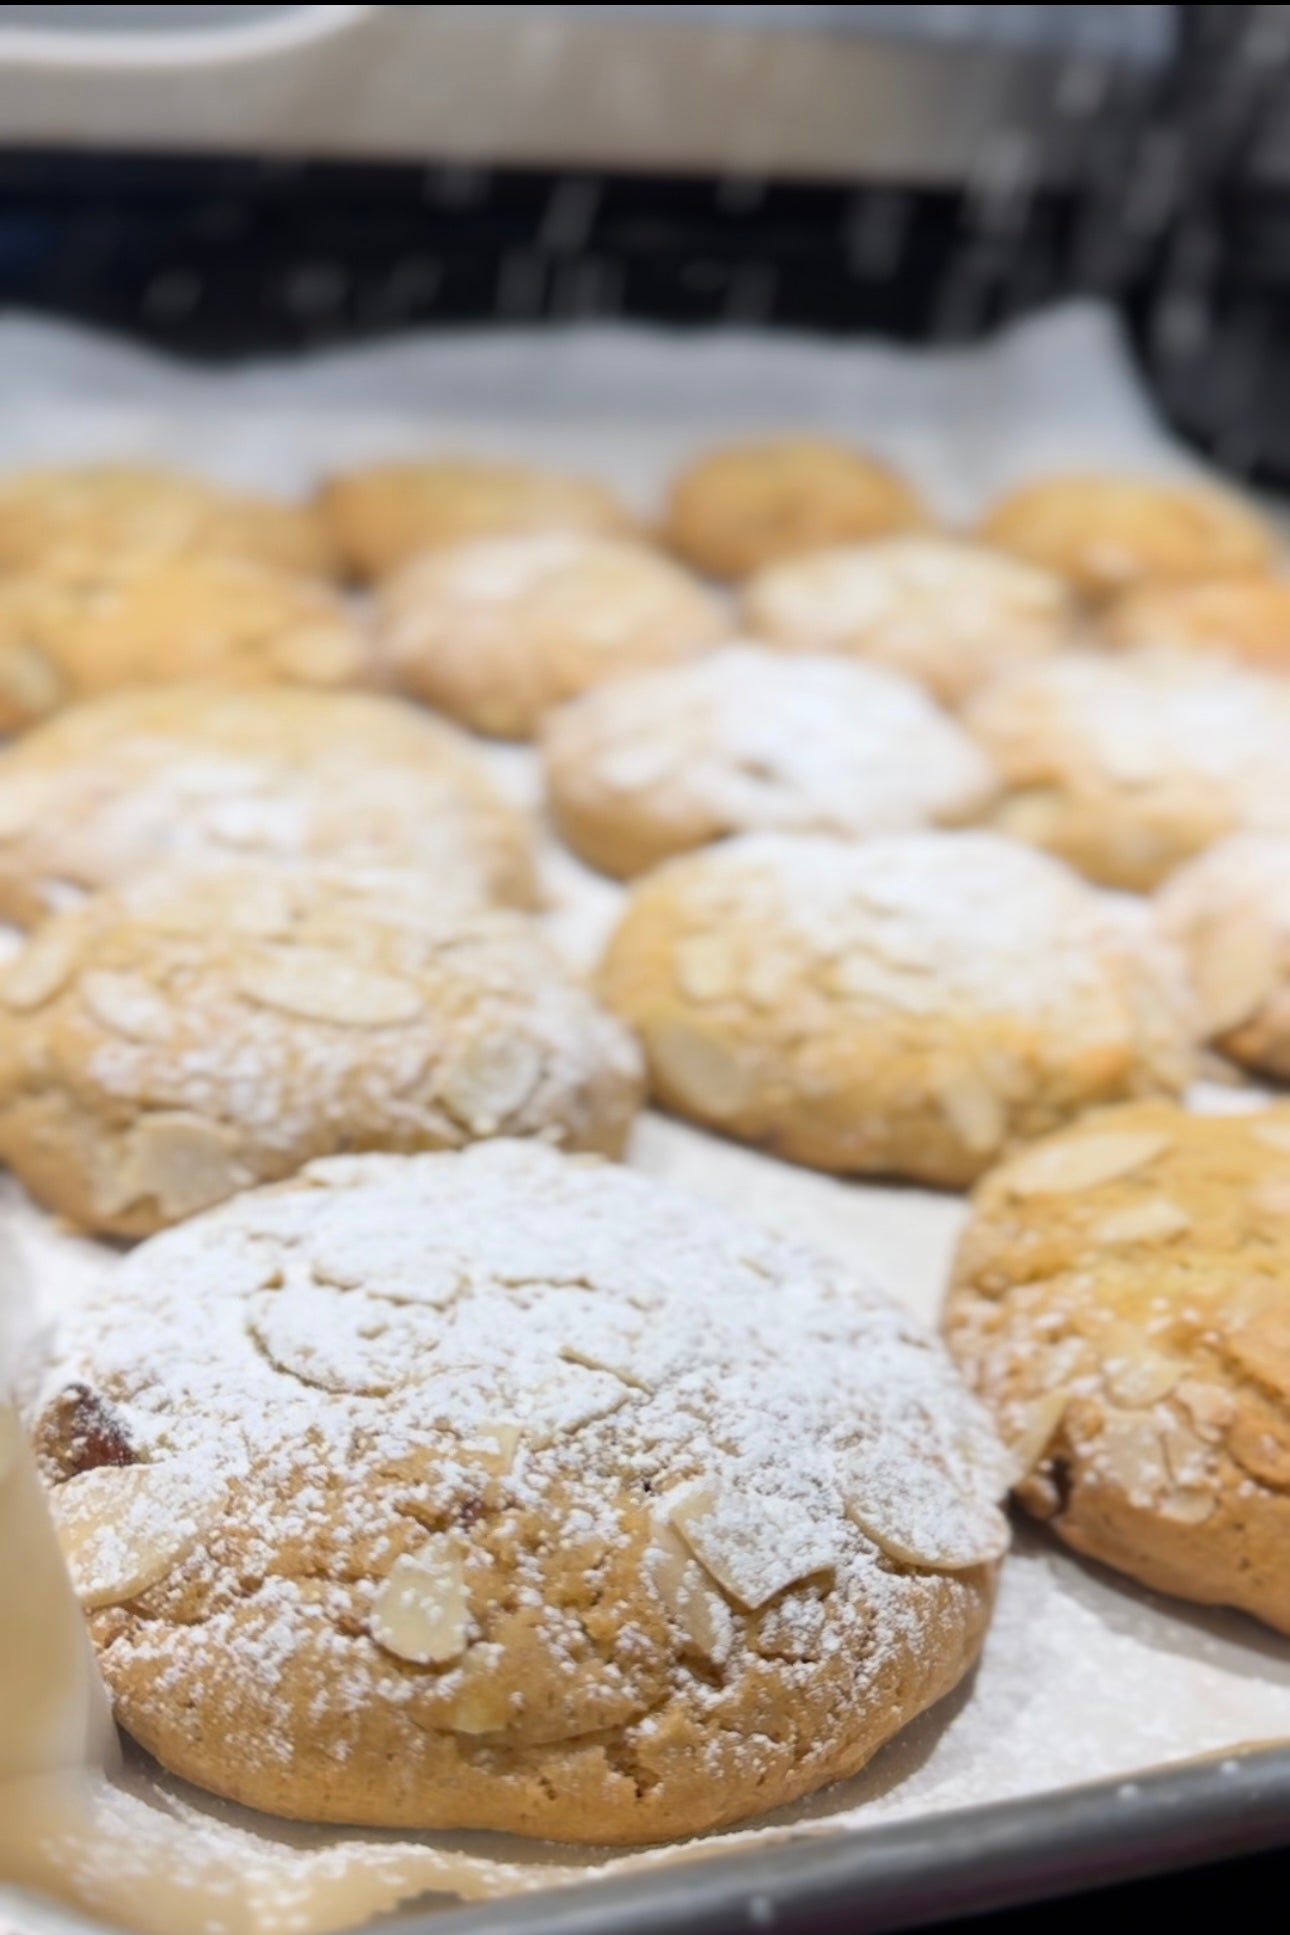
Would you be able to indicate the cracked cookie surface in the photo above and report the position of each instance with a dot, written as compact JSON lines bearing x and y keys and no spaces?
{"x":909,"y":1005}
{"x":165,"y":1046}
{"x":511,"y":1489}
{"x":108,"y":788}
{"x":1121,"y":1300}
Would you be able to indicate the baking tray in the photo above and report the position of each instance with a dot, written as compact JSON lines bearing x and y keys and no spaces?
{"x":968,"y":423}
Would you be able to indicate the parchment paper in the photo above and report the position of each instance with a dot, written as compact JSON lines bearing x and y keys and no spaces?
{"x":1085,"y":1677}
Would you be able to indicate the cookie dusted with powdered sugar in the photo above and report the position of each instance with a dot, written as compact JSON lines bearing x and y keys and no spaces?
{"x":1127,"y":767}
{"x":1121,"y":1300}
{"x":911,"y":1005}
{"x":746,"y":740}
{"x":114,"y":786}
{"x":746,"y":505}
{"x":167,"y":1045}
{"x":512,"y":1490}
{"x":379,"y":516}
{"x":498,"y":631}
{"x":1229,"y":912}
{"x":1106,"y":533}
{"x":948,"y":614}
{"x":1244,"y":617}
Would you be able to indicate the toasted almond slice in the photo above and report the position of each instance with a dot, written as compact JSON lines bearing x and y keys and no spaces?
{"x":314,"y":984}
{"x":495,"y":1445}
{"x":973,"y":1110}
{"x":1236,"y":971}
{"x":126,"y":1004}
{"x":1274,"y":1130}
{"x":124,"y":1528}
{"x":1188,"y":1507}
{"x":568,"y":1397}
{"x":1210,"y":1407}
{"x":702,"y":1615}
{"x":1154,"y":1221}
{"x":40,"y":971}
{"x":1037,"y":1426}
{"x":421,"y":1612}
{"x":920,"y":1518}
{"x":703,"y":1073}
{"x":706,"y":967}
{"x":1083,"y":1161}
{"x":183,"y":1162}
{"x":488,"y":1079}
{"x":1131,"y":1453}
{"x":344,"y":1343}
{"x":753,"y":1544}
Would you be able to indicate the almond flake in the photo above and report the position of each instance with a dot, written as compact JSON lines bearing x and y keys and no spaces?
{"x":1210,"y":1407}
{"x":1261,"y":1346}
{"x":489,"y":1079}
{"x":1132,"y":1456}
{"x":126,"y":1004}
{"x":681,"y":1583}
{"x":973,"y":1110}
{"x":353,"y":1343}
{"x":753,"y":1544}
{"x":1038,"y":1424}
{"x":1083,"y":1161}
{"x":315,"y":985}
{"x":1274,"y":1131}
{"x":703,"y":1074}
{"x":1149,"y":1222}
{"x":40,"y":971}
{"x":1188,"y":1507}
{"x":421,"y":1612}
{"x":1236,"y":972}
{"x":495,"y":1446}
{"x":705,"y":967}
{"x":182,"y":1162}
{"x":1137,"y":1377}
{"x":123,"y":1528}
{"x":940,"y":1528}
{"x":569,"y":1397}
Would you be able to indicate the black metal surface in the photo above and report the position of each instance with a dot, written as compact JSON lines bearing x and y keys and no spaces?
{"x":919,"y":1873}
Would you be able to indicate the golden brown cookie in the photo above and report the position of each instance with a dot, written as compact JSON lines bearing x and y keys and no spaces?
{"x":381,"y":515}
{"x":1246,"y":618}
{"x":745,"y":740}
{"x":508,"y":1489}
{"x":737,"y":509}
{"x":911,"y":1005}
{"x":1229,"y":912}
{"x":1121,"y":1300}
{"x":114,"y":517}
{"x":941,"y":611}
{"x":1127,"y":767}
{"x":108,"y":788}
{"x":497,"y":631}
{"x":197,"y":617}
{"x":1108,"y":533}
{"x":166,"y":1045}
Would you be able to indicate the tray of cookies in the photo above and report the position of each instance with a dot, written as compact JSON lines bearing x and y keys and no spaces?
{"x":642,"y":980}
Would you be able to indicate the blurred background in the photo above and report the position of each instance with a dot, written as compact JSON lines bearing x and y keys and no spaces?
{"x":228,"y":181}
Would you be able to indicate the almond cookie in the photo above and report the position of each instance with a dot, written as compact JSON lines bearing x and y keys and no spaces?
{"x":1126,"y":768}
{"x":1229,"y":911}
{"x":1106,"y":533}
{"x":164,"y":1046}
{"x":110,"y":787}
{"x":1245,"y":618}
{"x":746,"y":740}
{"x":508,"y":1489}
{"x":497,"y":631}
{"x":381,"y":515}
{"x":736,"y":509}
{"x":119,"y":516}
{"x":1121,"y":1299}
{"x":197,"y":617}
{"x":946,"y":613}
{"x":911,"y":1005}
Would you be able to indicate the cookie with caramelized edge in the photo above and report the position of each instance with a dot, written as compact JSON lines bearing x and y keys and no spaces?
{"x":1121,"y":1300}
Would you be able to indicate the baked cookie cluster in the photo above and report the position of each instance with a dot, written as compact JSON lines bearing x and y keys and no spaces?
{"x":427,"y":1467}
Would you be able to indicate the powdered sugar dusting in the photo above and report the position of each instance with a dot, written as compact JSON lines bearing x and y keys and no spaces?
{"x":653,"y":1356}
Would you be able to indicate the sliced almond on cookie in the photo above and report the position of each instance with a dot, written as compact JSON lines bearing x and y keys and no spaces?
{"x":126,"y":1004}
{"x":753,"y":1544}
{"x":313,"y":984}
{"x":123,"y":1528}
{"x":1083,"y":1162}
{"x":1237,"y":972}
{"x":488,"y":1079}
{"x":702,"y":1615}
{"x":40,"y":971}
{"x":1154,"y":1221}
{"x":421,"y":1612}
{"x":917,"y":1515}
